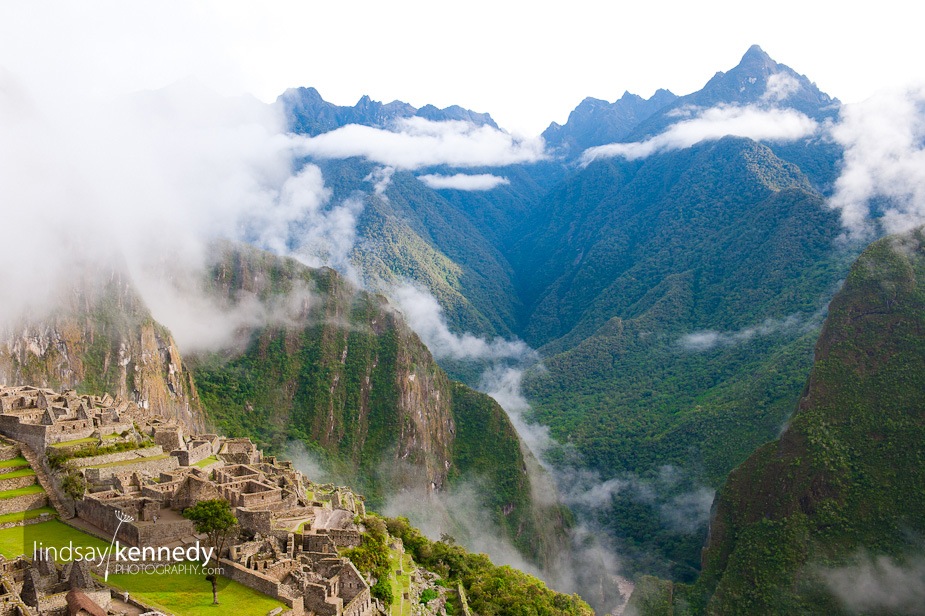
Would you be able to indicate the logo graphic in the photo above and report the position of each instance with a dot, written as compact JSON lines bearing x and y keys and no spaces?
{"x":122,"y":517}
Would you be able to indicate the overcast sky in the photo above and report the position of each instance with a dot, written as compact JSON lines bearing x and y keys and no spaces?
{"x":526,"y":63}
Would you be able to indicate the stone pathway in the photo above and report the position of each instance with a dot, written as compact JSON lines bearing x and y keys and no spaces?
{"x":45,"y":481}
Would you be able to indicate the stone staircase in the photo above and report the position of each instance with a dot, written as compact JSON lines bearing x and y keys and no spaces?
{"x":46,"y":481}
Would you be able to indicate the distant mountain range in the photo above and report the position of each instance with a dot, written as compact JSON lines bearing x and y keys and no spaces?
{"x":310,"y":114}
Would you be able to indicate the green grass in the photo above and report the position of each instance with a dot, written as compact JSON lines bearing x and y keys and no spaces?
{"x":128,"y":462}
{"x":401,"y":583}
{"x":189,"y":594}
{"x":206,"y":462}
{"x":14,"y":541}
{"x":22,"y":472}
{"x":33,"y":489}
{"x":19,"y":516}
{"x":20,"y":461}
{"x":76,"y":441}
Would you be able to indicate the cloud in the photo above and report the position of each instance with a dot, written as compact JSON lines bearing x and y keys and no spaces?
{"x":712,"y":124}
{"x":690,"y":511}
{"x":415,"y":143}
{"x":425,"y":316}
{"x":503,"y":383}
{"x":145,"y":183}
{"x":706,"y":340}
{"x":380,"y":177}
{"x":879,"y":585}
{"x":779,"y":87}
{"x":884,"y":163}
{"x":463,"y":181}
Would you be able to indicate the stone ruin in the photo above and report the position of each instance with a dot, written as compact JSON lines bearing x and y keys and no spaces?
{"x":291,"y":529}
{"x":39,"y":586}
{"x":42,"y":417}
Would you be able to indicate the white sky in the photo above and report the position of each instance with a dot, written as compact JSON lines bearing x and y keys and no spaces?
{"x":526,"y":63}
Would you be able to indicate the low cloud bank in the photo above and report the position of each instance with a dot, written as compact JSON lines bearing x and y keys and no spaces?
{"x":462,"y":181}
{"x":879,"y":585}
{"x":882,"y":183}
{"x":712,"y":124}
{"x":707,"y":340}
{"x":415,"y":143}
{"x":425,"y":316}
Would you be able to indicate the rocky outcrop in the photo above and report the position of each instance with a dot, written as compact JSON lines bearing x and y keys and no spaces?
{"x":101,"y":338}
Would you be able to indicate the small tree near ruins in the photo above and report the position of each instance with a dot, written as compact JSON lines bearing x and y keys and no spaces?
{"x":215,"y":519}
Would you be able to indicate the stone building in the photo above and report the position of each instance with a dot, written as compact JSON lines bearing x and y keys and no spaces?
{"x":142,"y":471}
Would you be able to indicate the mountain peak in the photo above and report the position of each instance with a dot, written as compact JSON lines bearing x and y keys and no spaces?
{"x":756,"y":52}
{"x":757,"y":61}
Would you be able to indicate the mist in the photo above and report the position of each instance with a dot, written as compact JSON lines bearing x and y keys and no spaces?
{"x":145,"y":183}
{"x":589,"y":562}
{"x":881,"y":187}
{"x":881,"y":585}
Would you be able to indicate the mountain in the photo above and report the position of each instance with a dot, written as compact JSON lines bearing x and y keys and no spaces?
{"x":332,"y":368}
{"x":676,"y":303}
{"x":99,"y":338}
{"x":674,"y":298}
{"x":756,"y":80}
{"x":837,"y":499}
{"x":596,"y":122}
{"x":345,"y":377}
{"x":309,"y":114}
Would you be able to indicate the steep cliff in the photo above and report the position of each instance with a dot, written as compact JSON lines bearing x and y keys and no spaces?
{"x":99,"y":338}
{"x":828,"y":518}
{"x":338,"y":371}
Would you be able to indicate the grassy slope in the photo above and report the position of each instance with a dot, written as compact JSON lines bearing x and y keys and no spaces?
{"x":846,"y":478}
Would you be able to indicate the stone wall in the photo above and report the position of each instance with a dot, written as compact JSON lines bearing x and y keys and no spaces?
{"x":343,"y":538}
{"x":8,"y":451}
{"x":24,"y":502}
{"x":259,"y":582}
{"x":31,"y":434}
{"x":17,"y":482}
{"x":255,"y":521}
{"x":360,"y":605}
{"x":103,"y":516}
{"x":319,"y":599}
{"x":119,"y":456}
{"x":68,"y":430}
{"x":153,"y":467}
{"x":188,"y":457}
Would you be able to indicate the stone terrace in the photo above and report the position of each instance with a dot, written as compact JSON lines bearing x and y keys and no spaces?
{"x":140,"y":467}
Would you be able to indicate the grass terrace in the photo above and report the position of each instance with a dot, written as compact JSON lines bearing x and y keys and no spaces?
{"x":129,"y":462}
{"x":20,"y":516}
{"x":206,"y":462}
{"x":13,"y":541}
{"x":14,"y":463}
{"x":189,"y":594}
{"x":20,"y":472}
{"x":82,"y":441}
{"x":401,"y":583}
{"x":33,"y":489}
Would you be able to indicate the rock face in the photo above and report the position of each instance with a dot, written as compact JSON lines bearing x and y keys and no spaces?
{"x":101,"y":338}
{"x":338,"y":371}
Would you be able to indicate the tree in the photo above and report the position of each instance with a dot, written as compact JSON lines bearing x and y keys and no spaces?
{"x":215,"y":519}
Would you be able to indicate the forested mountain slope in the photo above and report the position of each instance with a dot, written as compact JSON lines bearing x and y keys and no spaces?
{"x":837,"y":499}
